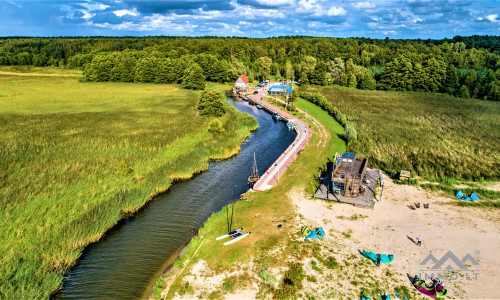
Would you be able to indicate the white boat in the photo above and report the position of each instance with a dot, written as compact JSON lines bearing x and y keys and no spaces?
{"x":229,"y":234}
{"x":236,"y":237}
{"x":259,"y":106}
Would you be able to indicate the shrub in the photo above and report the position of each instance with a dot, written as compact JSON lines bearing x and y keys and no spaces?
{"x":350,"y":133}
{"x":123,"y":169}
{"x":292,"y":282}
{"x":215,"y":126}
{"x":212,"y":103}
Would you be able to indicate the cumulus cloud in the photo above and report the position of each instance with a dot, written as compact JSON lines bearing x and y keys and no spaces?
{"x":336,"y":11}
{"x":371,"y":18}
{"x":93,"y":6}
{"x":124,"y":12}
{"x":492,"y":18}
{"x":275,"y":2}
{"x":363,"y":5}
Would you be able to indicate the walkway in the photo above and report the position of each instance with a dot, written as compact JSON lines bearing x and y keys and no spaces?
{"x":276,"y":170}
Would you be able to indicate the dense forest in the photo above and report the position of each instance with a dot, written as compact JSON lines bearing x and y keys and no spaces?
{"x":466,"y":67}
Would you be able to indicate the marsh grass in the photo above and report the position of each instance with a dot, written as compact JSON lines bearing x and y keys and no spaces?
{"x":430,"y":134}
{"x":75,"y":157}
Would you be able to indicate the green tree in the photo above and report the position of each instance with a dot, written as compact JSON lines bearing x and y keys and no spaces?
{"x":264,"y":65}
{"x":308,"y":64}
{"x":319,"y":75}
{"x":289,"y":72}
{"x":211,"y":103}
{"x":450,"y":83}
{"x":494,"y":93}
{"x":463,"y":92}
{"x":146,"y":69}
{"x":194,"y":78}
{"x":367,"y":81}
{"x":351,"y":80}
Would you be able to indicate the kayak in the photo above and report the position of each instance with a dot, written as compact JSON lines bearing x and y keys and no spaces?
{"x":236,"y":237}
{"x":229,"y":234}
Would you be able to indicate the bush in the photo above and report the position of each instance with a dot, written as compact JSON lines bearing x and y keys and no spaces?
{"x":322,"y":102}
{"x":350,"y":133}
{"x":292,"y":282}
{"x":122,"y":169}
{"x":215,"y":126}
{"x":212,"y":103}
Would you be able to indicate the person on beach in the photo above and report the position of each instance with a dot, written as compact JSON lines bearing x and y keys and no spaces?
{"x":378,"y":260}
{"x":419,"y":240}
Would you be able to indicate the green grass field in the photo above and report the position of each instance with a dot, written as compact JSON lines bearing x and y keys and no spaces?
{"x":265,"y":210}
{"x":75,"y":157}
{"x":434,"y":135}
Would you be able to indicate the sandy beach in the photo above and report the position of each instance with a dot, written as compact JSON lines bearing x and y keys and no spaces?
{"x":390,"y":228}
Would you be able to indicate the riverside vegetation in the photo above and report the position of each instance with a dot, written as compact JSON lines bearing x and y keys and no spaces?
{"x":277,"y":260}
{"x":262,"y":212}
{"x":76,"y":157}
{"x":429,"y":134}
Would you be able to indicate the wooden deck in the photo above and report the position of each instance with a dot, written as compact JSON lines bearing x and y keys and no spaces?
{"x":272,"y":175}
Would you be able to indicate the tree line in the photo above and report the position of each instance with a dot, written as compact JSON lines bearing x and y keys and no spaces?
{"x":467,"y":67}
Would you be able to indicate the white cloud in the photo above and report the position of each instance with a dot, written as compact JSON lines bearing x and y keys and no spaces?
{"x":363,"y":5}
{"x":94,"y":6}
{"x":336,"y":11}
{"x":87,"y":15}
{"x":124,"y":12}
{"x":276,"y":2}
{"x":493,"y":18}
{"x":308,"y":5}
{"x":14,"y":3}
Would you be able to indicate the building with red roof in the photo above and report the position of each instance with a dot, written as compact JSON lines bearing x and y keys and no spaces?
{"x":242,"y":82}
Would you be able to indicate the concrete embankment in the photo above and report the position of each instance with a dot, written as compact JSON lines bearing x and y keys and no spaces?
{"x":274,"y":172}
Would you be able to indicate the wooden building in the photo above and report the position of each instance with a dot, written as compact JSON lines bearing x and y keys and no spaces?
{"x":348,"y":174}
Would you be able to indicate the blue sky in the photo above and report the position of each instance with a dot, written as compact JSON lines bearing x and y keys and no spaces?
{"x":252,"y":18}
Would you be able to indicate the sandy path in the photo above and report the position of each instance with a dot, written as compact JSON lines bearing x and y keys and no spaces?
{"x":387,"y":228}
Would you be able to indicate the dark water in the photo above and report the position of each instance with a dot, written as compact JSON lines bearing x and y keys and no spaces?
{"x":123,"y":264}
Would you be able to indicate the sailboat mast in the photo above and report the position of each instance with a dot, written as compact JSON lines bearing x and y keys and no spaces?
{"x":254,"y":164}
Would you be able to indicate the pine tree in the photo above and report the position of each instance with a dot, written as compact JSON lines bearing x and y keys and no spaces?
{"x":319,"y":75}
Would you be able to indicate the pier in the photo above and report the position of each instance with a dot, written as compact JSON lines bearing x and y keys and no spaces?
{"x":276,"y":170}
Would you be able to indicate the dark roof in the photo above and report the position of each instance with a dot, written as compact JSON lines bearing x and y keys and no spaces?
{"x":349,"y":155}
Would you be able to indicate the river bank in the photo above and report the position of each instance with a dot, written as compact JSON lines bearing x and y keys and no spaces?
{"x":129,"y":255}
{"x":130,"y":140}
{"x":260,"y":213}
{"x":276,"y":262}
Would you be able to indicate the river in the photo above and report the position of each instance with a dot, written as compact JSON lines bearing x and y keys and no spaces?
{"x":127,"y":260}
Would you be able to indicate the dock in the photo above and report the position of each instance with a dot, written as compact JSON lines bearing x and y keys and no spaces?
{"x":276,"y":170}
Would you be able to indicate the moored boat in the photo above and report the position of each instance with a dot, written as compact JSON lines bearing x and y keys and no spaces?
{"x":252,"y":179}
